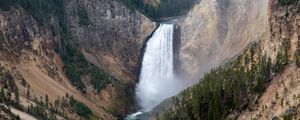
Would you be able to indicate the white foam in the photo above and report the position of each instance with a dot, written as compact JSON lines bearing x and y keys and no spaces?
{"x":157,"y":80}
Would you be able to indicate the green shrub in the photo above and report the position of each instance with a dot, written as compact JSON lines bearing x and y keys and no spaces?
{"x":279,"y":65}
{"x":83,"y":16}
{"x":297,"y":56}
{"x":286,"y":2}
{"x":41,"y":10}
{"x":99,"y":78}
{"x":6,"y":4}
{"x":77,"y":66}
{"x":282,"y":58}
{"x":81,"y":109}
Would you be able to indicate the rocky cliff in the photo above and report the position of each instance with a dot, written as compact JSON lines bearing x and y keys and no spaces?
{"x":220,"y":30}
{"x":108,"y":35}
{"x":212,"y":34}
{"x":263,"y":79}
{"x":112,"y":38}
{"x":281,"y":98}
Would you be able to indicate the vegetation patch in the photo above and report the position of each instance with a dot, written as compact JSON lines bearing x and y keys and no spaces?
{"x":221,"y":91}
{"x":286,"y":2}
{"x":297,"y":58}
{"x":229,"y":89}
{"x":83,"y":16}
{"x":40,"y":10}
{"x":163,"y":9}
{"x":75,"y":65}
{"x":81,"y":109}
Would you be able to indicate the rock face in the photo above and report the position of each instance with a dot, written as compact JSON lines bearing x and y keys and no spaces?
{"x":216,"y":30}
{"x":110,"y":36}
{"x":113,"y":37}
{"x":19,"y":35}
{"x":27,"y":54}
{"x":281,"y":97}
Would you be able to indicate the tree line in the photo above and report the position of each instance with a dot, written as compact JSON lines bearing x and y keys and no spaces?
{"x":164,"y":9}
{"x":231,"y":88}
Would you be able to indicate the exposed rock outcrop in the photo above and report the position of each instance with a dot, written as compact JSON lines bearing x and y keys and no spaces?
{"x":216,"y":30}
{"x":111,"y":39}
{"x":27,"y":54}
{"x":114,"y":36}
{"x":281,"y":98}
{"x":213,"y":33}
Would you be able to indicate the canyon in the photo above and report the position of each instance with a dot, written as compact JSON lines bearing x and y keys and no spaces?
{"x":111,"y":58}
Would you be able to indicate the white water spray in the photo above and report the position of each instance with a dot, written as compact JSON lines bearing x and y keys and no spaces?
{"x":157,"y":79}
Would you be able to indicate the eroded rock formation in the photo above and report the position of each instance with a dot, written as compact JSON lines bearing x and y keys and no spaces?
{"x":214,"y":31}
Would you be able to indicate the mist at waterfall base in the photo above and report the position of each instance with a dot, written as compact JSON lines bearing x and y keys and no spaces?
{"x":157,"y":79}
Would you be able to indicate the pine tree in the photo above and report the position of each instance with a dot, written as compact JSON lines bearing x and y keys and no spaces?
{"x":47,"y":100}
{"x":17,"y":96}
{"x":297,"y":58}
{"x":18,"y":117}
{"x":28,"y":94}
{"x":2,"y":95}
{"x":279,"y":65}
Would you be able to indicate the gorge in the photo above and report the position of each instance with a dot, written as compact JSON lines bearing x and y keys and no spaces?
{"x":157,"y":79}
{"x":106,"y":59}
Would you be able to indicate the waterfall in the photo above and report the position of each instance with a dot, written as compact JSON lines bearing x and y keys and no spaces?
{"x":157,"y":80}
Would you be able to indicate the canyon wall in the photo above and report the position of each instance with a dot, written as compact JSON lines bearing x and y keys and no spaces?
{"x":214,"y":31}
{"x":107,"y":33}
{"x":112,"y":38}
{"x":281,"y":97}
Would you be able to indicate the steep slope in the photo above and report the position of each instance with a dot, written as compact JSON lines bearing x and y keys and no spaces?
{"x":215,"y":31}
{"x":260,"y":83}
{"x":27,"y":55}
{"x":36,"y":40}
{"x":281,"y":98}
{"x":161,"y":10}
{"x":112,"y":37}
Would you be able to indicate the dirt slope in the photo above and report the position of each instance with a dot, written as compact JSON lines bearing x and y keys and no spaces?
{"x":41,"y":84}
{"x":283,"y":94}
{"x":23,"y":115}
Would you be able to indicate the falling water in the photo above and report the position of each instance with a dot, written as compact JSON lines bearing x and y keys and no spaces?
{"x":157,"y":79}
